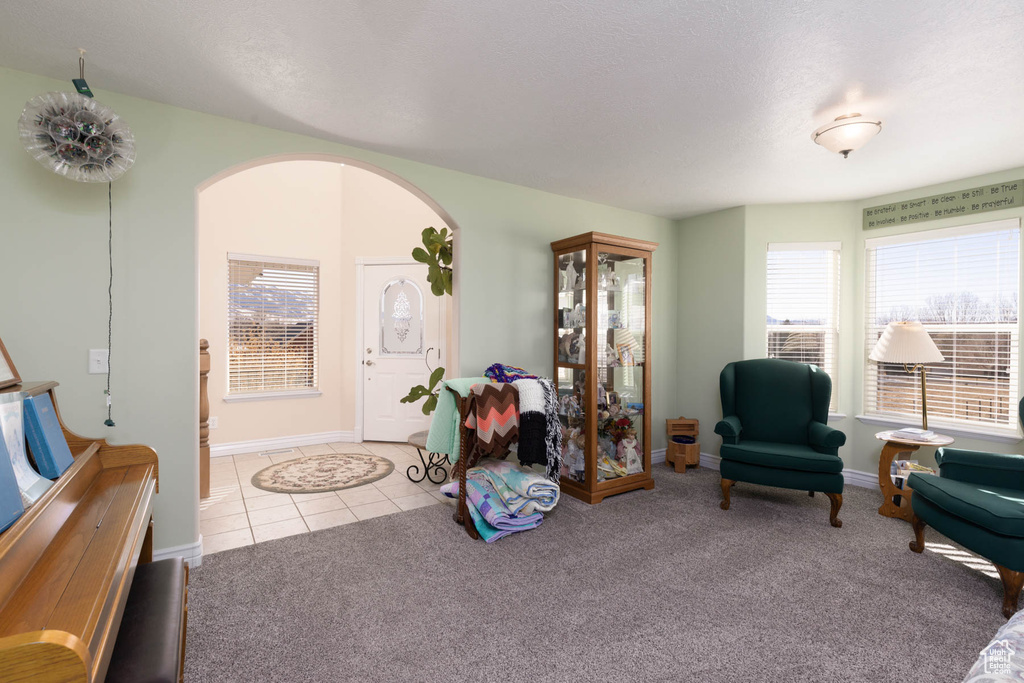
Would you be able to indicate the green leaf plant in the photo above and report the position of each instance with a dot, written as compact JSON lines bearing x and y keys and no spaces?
{"x":436,"y":253}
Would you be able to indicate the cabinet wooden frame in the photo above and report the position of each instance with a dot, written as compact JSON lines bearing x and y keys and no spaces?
{"x":5,"y":358}
{"x":593,"y":243}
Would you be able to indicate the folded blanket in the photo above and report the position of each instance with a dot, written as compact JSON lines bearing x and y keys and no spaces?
{"x":495,"y":417}
{"x":490,"y":516}
{"x":540,"y":432}
{"x":444,"y":426}
{"x":521,"y":489}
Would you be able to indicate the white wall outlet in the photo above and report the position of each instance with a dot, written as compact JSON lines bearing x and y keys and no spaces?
{"x":214,"y":422}
{"x":99,"y":361}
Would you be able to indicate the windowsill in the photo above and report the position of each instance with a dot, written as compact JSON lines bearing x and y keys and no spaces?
{"x":272,"y":395}
{"x":981,"y":433}
{"x":835,"y":417}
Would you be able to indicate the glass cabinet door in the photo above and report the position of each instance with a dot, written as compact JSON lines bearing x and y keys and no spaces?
{"x":621,"y":343}
{"x":570,"y":374}
{"x":572,"y":413}
{"x":572,"y":308}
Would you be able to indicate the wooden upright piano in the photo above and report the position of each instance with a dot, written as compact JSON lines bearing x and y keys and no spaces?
{"x":67,"y":564}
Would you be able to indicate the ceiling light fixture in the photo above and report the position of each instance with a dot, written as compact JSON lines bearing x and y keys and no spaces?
{"x":847,"y":133}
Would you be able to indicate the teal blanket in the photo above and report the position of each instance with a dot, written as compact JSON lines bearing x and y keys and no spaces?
{"x":444,"y":426}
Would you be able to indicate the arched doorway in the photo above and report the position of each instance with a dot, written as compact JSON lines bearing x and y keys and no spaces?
{"x":285,"y":245}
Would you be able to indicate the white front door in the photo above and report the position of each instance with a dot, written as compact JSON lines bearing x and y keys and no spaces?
{"x":403,"y":330}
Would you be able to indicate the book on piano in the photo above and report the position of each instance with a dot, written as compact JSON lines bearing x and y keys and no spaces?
{"x":10,"y":497}
{"x":30,"y":484}
{"x":45,"y":437}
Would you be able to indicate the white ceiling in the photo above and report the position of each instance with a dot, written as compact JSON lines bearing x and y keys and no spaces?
{"x":672,"y":108}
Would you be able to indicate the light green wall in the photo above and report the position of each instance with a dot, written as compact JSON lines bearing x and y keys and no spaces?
{"x":54,"y":247}
{"x":820,"y":222}
{"x":710,"y":308}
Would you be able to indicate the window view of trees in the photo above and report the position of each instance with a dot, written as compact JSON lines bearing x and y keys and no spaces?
{"x":964,"y":291}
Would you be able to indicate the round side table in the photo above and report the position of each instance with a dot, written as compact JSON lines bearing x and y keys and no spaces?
{"x":890,"y":450}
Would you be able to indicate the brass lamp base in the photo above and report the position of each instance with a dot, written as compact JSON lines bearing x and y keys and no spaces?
{"x":924,"y":393}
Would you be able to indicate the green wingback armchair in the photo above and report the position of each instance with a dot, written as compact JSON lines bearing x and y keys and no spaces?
{"x":977,"y":500}
{"x":774,"y":429}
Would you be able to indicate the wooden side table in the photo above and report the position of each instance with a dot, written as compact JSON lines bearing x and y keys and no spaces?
{"x":892,"y":448}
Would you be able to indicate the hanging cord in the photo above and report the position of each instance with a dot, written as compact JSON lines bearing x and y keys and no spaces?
{"x":110,"y":295}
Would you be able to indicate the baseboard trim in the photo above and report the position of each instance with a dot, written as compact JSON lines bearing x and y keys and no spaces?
{"x":657,"y":455}
{"x":192,"y":552}
{"x":239,"y":447}
{"x":865,"y":480}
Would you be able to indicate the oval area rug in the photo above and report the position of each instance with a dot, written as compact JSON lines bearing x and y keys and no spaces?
{"x":321,"y":473}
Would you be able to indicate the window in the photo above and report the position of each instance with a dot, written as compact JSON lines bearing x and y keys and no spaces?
{"x":962,"y":284}
{"x":803,"y":306}
{"x":272,"y":324}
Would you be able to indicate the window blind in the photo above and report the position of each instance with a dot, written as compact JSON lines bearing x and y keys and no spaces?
{"x":962,"y":284}
{"x":272,"y":324}
{"x":803,"y":306}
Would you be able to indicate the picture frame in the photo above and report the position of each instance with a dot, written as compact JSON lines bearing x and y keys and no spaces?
{"x":9,"y":376}
{"x":625,"y":354}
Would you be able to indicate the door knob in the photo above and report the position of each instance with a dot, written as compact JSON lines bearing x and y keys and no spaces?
{"x":369,"y":362}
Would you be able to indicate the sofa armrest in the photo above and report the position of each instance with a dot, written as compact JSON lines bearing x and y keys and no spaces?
{"x":979,"y":467}
{"x":729,"y":429}
{"x":825,"y":439}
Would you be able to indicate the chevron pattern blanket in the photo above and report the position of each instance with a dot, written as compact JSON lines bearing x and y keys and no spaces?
{"x":495,"y":417}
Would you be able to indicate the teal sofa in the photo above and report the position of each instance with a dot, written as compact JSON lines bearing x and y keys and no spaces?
{"x":774,"y":429}
{"x":976,"y":500}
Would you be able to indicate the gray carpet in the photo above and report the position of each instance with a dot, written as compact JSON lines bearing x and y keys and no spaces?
{"x":646,"y":586}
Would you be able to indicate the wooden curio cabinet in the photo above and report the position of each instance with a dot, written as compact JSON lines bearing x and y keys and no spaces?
{"x":603,"y":363}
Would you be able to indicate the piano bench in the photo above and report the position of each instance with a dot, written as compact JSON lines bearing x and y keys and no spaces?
{"x":151,"y":640}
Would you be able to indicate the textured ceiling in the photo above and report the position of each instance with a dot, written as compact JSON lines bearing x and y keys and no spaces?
{"x":672,"y":108}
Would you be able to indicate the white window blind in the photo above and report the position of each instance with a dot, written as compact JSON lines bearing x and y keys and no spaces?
{"x":803,"y":306}
{"x":272,"y":324}
{"x":962,"y":284}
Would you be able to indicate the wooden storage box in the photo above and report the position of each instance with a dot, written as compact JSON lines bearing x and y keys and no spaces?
{"x":682,"y":455}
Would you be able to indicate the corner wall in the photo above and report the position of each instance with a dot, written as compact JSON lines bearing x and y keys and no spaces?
{"x":716,"y":269}
{"x":710,"y":263}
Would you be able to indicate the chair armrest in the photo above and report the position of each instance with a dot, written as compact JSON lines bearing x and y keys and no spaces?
{"x":825,"y":439}
{"x":729,"y":429}
{"x":978,"y":467}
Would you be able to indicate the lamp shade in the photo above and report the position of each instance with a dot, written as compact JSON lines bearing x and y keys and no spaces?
{"x":908,"y":343}
{"x":847,"y":133}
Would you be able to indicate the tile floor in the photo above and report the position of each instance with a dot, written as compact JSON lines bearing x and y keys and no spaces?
{"x":237,"y":513}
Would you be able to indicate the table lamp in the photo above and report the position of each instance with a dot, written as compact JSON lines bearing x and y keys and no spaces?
{"x":910,"y":344}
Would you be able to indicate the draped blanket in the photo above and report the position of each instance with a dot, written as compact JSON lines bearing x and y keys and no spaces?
{"x":495,"y":418}
{"x":500,"y":372}
{"x":444,"y":425}
{"x":540,"y":432}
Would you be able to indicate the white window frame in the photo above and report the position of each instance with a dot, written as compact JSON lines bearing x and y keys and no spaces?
{"x":830,"y":328}
{"x":1005,"y":431}
{"x":275,"y":392}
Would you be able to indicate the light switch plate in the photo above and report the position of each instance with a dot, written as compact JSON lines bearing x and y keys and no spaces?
{"x":99,"y":361}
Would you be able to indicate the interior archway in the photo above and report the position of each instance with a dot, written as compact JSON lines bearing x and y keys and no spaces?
{"x":341,"y":215}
